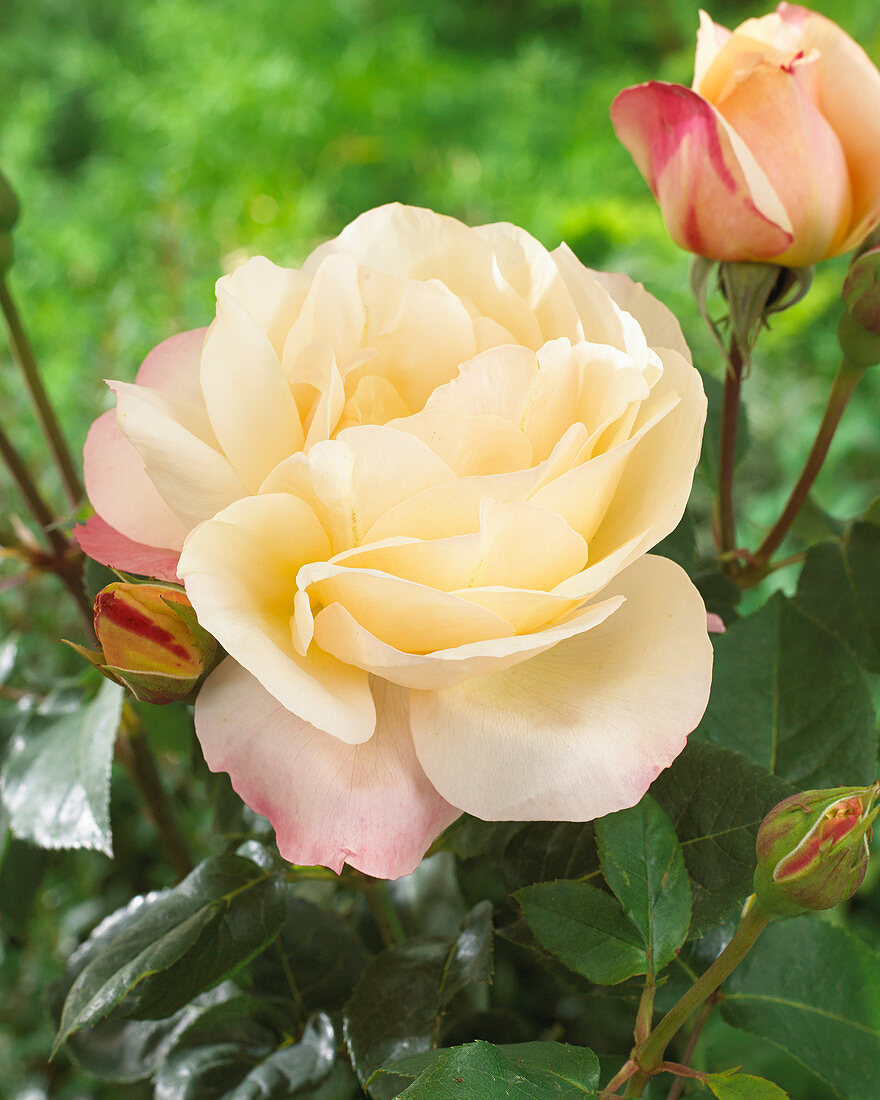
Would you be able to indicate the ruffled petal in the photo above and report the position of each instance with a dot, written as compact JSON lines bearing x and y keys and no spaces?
{"x":330,"y":803}
{"x":584,"y":728}
{"x":239,"y":570}
{"x":120,"y":491}
{"x":173,"y":366}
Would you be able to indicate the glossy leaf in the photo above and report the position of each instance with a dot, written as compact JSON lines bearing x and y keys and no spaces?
{"x":839,"y":586}
{"x":172,"y":946}
{"x":397,"y":1006}
{"x":742,"y":1086}
{"x":56,"y":780}
{"x":789,"y":696}
{"x":585,"y":928}
{"x":522,"y":1071}
{"x":316,"y":951}
{"x":716,"y":799}
{"x":813,"y":990}
{"x":643,"y":864}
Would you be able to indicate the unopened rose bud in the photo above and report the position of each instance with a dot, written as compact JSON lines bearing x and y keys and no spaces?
{"x":813,"y":849}
{"x":150,"y":641}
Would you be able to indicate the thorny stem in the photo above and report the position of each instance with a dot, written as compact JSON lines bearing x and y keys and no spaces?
{"x":24,"y":355}
{"x":137,"y":756}
{"x":726,"y":520}
{"x":845,"y":382}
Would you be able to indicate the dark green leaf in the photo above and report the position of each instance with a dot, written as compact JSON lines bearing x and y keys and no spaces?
{"x":177,"y":944}
{"x":317,"y":958}
{"x":813,"y":990}
{"x":547,"y":850}
{"x":397,"y":1006}
{"x":469,"y":960}
{"x":522,"y":1071}
{"x":584,"y":928}
{"x":56,"y":780}
{"x":840,"y":588}
{"x":468,"y":837}
{"x":716,"y":799}
{"x":643,"y":864}
{"x":204,"y":1073}
{"x":742,"y":1086}
{"x":791,"y":698}
{"x":22,"y":867}
{"x":291,"y":1069}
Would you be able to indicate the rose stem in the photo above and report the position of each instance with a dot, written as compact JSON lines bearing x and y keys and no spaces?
{"x":841,"y":391}
{"x":693,"y":1039}
{"x":24,"y":355}
{"x":375,"y":891}
{"x":138,"y":758}
{"x":649,"y":1055}
{"x":727,"y":450}
{"x":60,"y":562}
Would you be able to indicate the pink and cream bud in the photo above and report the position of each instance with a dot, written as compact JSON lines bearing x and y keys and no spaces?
{"x":813,"y":849}
{"x":150,"y":641}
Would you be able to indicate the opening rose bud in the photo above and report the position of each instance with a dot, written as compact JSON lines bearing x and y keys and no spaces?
{"x":151,"y":641}
{"x":771,"y":154}
{"x":813,"y":849}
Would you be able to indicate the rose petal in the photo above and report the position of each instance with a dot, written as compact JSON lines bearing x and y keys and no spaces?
{"x":773,"y":110}
{"x":715,"y":198}
{"x":172,"y":367}
{"x":110,"y":547}
{"x":584,"y":728}
{"x":367,"y":805}
{"x":657,"y":321}
{"x":120,"y":491}
{"x":248,"y":397}
{"x":339,"y":633}
{"x":239,"y":570}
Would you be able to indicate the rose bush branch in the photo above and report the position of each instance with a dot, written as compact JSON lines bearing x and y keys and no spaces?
{"x":727,"y":450}
{"x":845,"y":382}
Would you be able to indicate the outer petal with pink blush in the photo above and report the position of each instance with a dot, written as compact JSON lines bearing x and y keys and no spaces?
{"x":715,"y":198}
{"x":105,"y":544}
{"x":330,"y":803}
{"x":584,"y":728}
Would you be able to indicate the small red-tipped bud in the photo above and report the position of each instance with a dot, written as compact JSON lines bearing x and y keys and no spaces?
{"x":859,"y":328}
{"x":813,"y":849}
{"x":151,"y":641}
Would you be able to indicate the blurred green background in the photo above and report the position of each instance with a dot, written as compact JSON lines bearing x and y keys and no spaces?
{"x":155,"y":143}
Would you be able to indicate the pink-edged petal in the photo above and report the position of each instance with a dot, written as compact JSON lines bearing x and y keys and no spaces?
{"x":120,"y":491}
{"x":715,"y":198}
{"x":105,"y":544}
{"x":584,"y":728}
{"x":173,"y":366}
{"x":367,"y":805}
{"x":339,"y":633}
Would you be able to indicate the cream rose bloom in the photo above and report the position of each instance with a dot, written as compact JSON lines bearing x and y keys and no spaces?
{"x":410,"y":488}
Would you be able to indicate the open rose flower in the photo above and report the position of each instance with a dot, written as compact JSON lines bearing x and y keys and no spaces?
{"x":773,"y":153}
{"x":409,"y":487}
